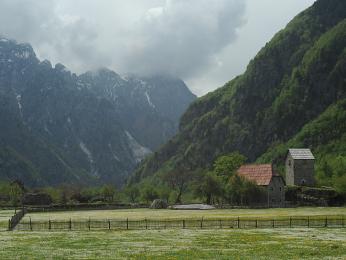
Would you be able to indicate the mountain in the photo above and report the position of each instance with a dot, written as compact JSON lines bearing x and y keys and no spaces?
{"x":149,"y":107}
{"x":57,"y":127}
{"x":297,"y":79}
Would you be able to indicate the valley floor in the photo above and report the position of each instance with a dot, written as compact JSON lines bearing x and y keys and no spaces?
{"x":135,"y":214}
{"x":297,"y":243}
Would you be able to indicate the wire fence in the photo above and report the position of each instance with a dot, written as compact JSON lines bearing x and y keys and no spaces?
{"x":153,"y":224}
{"x":16,"y":218}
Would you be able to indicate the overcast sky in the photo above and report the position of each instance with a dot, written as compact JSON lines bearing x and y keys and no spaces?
{"x":204,"y":42}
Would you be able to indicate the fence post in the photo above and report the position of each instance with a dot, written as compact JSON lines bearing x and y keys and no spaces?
{"x":273,"y":223}
{"x":49,"y":225}
{"x":220,"y":223}
{"x":326,"y":222}
{"x":89,"y":224}
{"x":70,"y":224}
{"x":290,"y":222}
{"x":202,"y":223}
{"x":146,"y":223}
{"x":183,"y":223}
{"x":109,"y":224}
{"x":9,"y":224}
{"x":308,"y":221}
{"x":30,"y":223}
{"x":343,"y":221}
{"x":256,"y":223}
{"x":127,"y":223}
{"x":238,"y":222}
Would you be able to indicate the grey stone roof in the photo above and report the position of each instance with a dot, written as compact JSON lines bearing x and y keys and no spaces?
{"x":301,"y":154}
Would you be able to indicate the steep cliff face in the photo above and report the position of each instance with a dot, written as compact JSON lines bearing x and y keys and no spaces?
{"x":57,"y":127}
{"x":149,"y":107}
{"x":291,"y":81}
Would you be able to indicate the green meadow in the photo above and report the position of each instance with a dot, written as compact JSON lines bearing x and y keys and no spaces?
{"x":135,"y":214}
{"x":176,"y":244}
{"x":5,"y":215}
{"x":277,"y":243}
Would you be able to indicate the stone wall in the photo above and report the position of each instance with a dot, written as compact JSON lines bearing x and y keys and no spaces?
{"x":289,"y":170}
{"x":299,"y":172}
{"x":276,"y":192}
{"x":304,"y":172}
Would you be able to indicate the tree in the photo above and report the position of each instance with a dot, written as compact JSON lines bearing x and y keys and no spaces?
{"x":132,"y":193}
{"x":225,"y":166}
{"x":209,"y":187}
{"x":164,"y":193}
{"x":241,"y":191}
{"x":108,"y":192}
{"x":178,"y":179}
{"x":148,"y":193}
{"x":234,"y":190}
{"x":16,"y":192}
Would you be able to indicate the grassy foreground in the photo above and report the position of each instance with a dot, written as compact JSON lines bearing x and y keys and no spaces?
{"x":176,"y":244}
{"x":134,"y":214}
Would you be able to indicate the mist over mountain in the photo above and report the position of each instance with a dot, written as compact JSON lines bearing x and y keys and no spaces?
{"x":57,"y":127}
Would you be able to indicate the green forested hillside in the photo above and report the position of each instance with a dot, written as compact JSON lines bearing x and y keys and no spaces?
{"x":289,"y":84}
{"x":326,"y":135}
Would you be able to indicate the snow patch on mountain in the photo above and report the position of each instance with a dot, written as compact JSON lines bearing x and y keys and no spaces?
{"x":149,"y":100}
{"x":139,"y":151}
{"x":113,"y":154}
{"x":20,"y":107}
{"x":45,"y":127}
{"x":22,"y":55}
{"x":87,"y":152}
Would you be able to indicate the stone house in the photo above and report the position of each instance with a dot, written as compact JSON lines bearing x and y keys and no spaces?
{"x":264,"y":175}
{"x":300,"y":167}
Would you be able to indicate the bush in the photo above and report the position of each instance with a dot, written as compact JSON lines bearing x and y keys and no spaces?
{"x":37,"y":199}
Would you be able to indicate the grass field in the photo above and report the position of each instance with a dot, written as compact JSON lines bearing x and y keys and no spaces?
{"x":176,"y":244}
{"x":5,"y":215}
{"x":135,"y":214}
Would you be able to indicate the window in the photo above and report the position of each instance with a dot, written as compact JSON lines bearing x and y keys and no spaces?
{"x":280,"y":188}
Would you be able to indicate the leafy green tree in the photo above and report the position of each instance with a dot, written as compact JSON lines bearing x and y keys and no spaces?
{"x":148,"y":193}
{"x":132,"y":192}
{"x":16,"y":193}
{"x":178,"y":180}
{"x":108,"y":192}
{"x":226,"y":165}
{"x":240,"y":191}
{"x":210,"y":187}
{"x":234,"y":190}
{"x":164,"y":193}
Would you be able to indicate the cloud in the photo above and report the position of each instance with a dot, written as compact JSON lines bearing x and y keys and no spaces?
{"x":174,"y":36}
{"x":205,"y":42}
{"x":63,"y":38}
{"x":182,"y":36}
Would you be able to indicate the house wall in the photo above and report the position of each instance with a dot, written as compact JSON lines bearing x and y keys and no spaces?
{"x":276,"y":192}
{"x":289,"y":170}
{"x":304,"y":172}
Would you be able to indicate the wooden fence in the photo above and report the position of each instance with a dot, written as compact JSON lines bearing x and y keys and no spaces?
{"x":16,"y":218}
{"x":237,"y":223}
